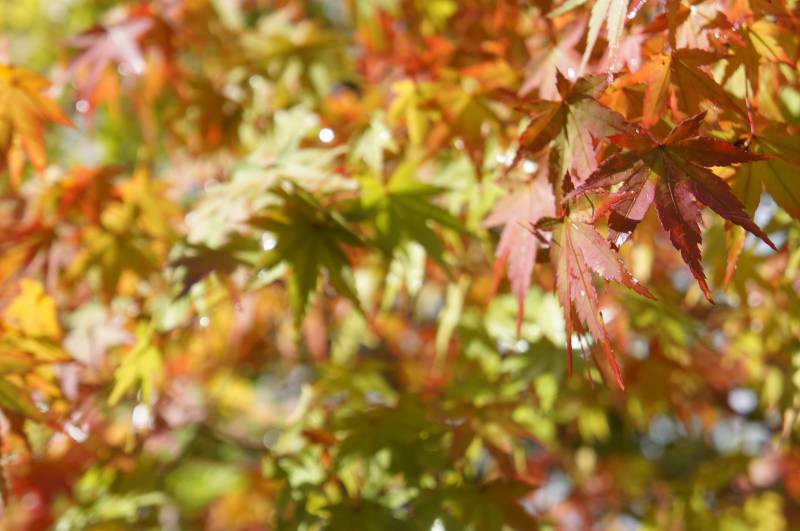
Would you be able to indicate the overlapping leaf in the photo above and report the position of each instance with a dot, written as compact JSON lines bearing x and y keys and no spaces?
{"x":673,"y":173}
{"x":572,"y":124}
{"x":310,"y":239}
{"x":678,"y":78}
{"x":24,"y":111}
{"x":141,"y":368}
{"x":29,"y":341}
{"x":754,"y":46}
{"x":117,"y":45}
{"x":518,"y":213}
{"x":779,"y":174}
{"x":613,"y":13}
{"x":548,"y":58}
{"x":124,"y":241}
{"x":403,"y":211}
{"x":577,"y":251}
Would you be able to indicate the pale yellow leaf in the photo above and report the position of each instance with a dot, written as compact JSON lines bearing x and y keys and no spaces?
{"x":613,"y":13}
{"x":32,"y":313}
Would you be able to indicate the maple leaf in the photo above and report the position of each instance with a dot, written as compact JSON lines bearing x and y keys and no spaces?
{"x":142,"y":365}
{"x":124,"y":241}
{"x":456,"y":109}
{"x":754,"y":45}
{"x":86,"y":191}
{"x":33,"y":312}
{"x":30,"y":337}
{"x":628,"y":54}
{"x":687,"y":27}
{"x":199,"y":261}
{"x":225,"y":207}
{"x":571,"y":124}
{"x":777,"y":175}
{"x":30,"y":325}
{"x":310,"y":239}
{"x":613,"y":13}
{"x":14,"y":397}
{"x":118,"y":44}
{"x":781,"y":175}
{"x":516,"y":251}
{"x":94,"y":330}
{"x":577,"y":251}
{"x":23,"y":112}
{"x":403,"y":211}
{"x":484,"y":501}
{"x":300,"y":233}
{"x":681,"y":75}
{"x":402,"y":49}
{"x":673,"y":173}
{"x":547,"y":58}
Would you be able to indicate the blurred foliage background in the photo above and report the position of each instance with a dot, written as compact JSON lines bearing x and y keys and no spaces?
{"x":246,"y":283}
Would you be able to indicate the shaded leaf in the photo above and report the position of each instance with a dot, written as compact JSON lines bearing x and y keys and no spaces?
{"x":680,"y":75}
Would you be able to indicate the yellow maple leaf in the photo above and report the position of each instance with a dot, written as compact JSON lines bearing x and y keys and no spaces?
{"x":141,"y":367}
{"x":33,"y":313}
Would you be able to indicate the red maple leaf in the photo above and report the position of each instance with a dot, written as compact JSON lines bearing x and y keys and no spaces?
{"x":518,"y":213}
{"x":118,"y":44}
{"x":674,"y":174}
{"x":577,"y":251}
{"x":572,"y":125}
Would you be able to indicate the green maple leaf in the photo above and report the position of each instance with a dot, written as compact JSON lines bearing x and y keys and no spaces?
{"x":311,"y":239}
{"x":402,"y":211}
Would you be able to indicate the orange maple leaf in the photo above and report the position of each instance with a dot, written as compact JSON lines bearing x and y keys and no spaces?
{"x":23,"y":112}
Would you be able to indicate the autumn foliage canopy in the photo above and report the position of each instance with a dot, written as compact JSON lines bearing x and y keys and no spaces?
{"x":400,"y":264}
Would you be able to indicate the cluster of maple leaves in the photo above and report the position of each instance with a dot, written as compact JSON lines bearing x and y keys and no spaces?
{"x":631,"y":131}
{"x":584,"y":114}
{"x":588,"y":146}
